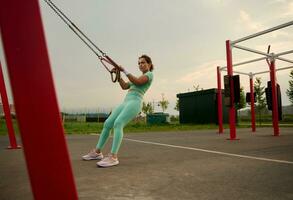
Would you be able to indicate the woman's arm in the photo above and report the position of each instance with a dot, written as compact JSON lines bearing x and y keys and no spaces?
{"x":138,"y":80}
{"x":124,"y":85}
{"x":135,"y":80}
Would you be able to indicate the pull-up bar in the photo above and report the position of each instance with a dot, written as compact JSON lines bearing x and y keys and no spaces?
{"x":251,"y":50}
{"x":266,"y":54}
{"x":262,"y":32}
{"x":238,"y":72}
{"x":246,"y":62}
{"x":284,"y":53}
{"x":262,"y":58}
{"x":257,"y":73}
{"x":285,"y":59}
{"x":263,"y":72}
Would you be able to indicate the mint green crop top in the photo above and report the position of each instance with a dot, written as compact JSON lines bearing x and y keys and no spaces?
{"x":142,"y":88}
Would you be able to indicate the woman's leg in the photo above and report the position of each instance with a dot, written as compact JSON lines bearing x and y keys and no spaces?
{"x":129,"y":111}
{"x":108,"y":125}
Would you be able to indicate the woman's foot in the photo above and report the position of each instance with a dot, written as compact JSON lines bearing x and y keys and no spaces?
{"x":93,"y":155}
{"x":108,"y":161}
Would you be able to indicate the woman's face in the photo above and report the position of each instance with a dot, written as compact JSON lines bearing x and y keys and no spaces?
{"x":143,"y":65}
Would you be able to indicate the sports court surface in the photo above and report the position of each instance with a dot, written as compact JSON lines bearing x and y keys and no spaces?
{"x":199,"y":164}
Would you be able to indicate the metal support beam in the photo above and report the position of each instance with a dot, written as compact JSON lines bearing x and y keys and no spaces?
{"x":245,"y":62}
{"x":262,"y":32}
{"x":283,"y":68}
{"x":262,"y":72}
{"x":284,"y":59}
{"x":223,"y":68}
{"x":243,"y":73}
{"x":43,"y":140}
{"x":7,"y":114}
{"x":220,"y":103}
{"x":251,"y":50}
{"x":252,"y":100}
{"x":232,"y":111}
{"x":284,"y":53}
{"x":274,"y":98}
{"x":249,"y":61}
{"x":280,"y":69}
{"x":262,"y":53}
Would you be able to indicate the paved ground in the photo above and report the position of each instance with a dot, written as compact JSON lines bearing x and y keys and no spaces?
{"x":178,"y":165}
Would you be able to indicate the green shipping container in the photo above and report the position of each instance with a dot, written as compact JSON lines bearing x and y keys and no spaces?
{"x":200,"y":107}
{"x":158,"y":118}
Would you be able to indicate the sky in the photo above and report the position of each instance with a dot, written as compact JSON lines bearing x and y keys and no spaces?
{"x":184,"y":38}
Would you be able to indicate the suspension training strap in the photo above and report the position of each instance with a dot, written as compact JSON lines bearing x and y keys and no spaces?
{"x":104,"y":59}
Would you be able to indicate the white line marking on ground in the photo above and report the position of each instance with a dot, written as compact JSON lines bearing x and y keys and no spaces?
{"x":210,"y":151}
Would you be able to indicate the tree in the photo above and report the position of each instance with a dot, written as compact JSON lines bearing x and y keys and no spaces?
{"x":177,"y":105}
{"x":289,"y":91}
{"x":164,"y":103}
{"x":242,"y":102}
{"x":147,"y":108}
{"x":261,"y":101}
{"x":196,"y":87}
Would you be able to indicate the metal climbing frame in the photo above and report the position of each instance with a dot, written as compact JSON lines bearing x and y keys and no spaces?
{"x":35,"y":100}
{"x":7,"y":114}
{"x":271,"y":58}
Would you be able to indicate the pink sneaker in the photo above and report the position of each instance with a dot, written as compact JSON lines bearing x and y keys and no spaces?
{"x":108,"y":161}
{"x":93,"y":155}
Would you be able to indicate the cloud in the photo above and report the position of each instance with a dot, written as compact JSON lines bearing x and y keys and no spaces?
{"x":289,"y":10}
{"x":247,"y":22}
{"x":285,"y":8}
{"x":204,"y":75}
{"x":277,"y":1}
{"x":253,"y":26}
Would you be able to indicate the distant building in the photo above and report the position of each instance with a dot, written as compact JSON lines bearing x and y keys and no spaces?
{"x":88,"y":117}
{"x":96,"y":117}
{"x":201,"y":107}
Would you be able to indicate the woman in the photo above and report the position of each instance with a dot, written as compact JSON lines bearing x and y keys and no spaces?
{"x":124,"y":113}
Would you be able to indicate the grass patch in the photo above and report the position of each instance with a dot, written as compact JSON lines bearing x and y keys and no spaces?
{"x":140,"y":127}
{"x":287,"y":119}
{"x":3,"y":127}
{"x":133,"y":127}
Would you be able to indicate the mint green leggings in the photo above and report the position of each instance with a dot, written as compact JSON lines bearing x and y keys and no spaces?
{"x":119,"y":117}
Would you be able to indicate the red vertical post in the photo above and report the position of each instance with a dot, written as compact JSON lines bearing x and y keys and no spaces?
{"x":274,"y":97}
{"x":219,"y":95}
{"x":6,"y":108}
{"x":232,"y":121}
{"x":252,"y":103}
{"x":35,"y":101}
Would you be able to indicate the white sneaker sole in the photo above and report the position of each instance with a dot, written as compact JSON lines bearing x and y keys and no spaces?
{"x":87,"y":159}
{"x":107,"y":165}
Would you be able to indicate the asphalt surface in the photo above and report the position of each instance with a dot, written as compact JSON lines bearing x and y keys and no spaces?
{"x":198,"y":164}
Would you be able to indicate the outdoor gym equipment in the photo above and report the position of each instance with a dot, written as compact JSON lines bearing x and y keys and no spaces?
{"x":270,"y":58}
{"x":38,"y":115}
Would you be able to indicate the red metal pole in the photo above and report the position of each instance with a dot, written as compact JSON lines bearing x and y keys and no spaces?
{"x":274,"y":98}
{"x":252,"y":104}
{"x":232,"y":107}
{"x":11,"y":134}
{"x":35,"y":101}
{"x":219,"y":93}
